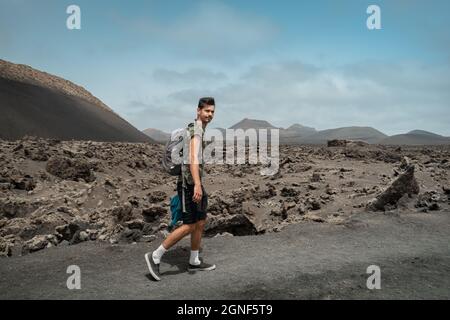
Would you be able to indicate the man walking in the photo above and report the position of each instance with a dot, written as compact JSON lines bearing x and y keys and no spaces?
{"x":194,"y":198}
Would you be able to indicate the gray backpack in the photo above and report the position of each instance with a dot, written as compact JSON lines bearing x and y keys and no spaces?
{"x":173,"y":152}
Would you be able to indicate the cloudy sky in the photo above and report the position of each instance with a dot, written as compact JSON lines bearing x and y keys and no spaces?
{"x":310,"y":62}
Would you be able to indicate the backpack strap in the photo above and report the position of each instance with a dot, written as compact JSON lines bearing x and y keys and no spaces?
{"x":183,"y":183}
{"x":183,"y":208}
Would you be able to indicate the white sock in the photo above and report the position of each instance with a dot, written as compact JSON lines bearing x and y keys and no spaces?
{"x":194,"y":260}
{"x":158,"y":253}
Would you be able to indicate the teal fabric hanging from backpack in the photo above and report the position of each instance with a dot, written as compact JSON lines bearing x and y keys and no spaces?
{"x":175,"y":209}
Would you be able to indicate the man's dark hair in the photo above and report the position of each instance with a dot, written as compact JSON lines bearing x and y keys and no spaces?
{"x":206,"y":101}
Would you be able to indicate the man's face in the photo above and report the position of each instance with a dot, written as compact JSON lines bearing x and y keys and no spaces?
{"x":206,"y":114}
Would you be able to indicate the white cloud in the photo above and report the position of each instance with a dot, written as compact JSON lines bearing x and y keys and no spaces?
{"x":191,"y":76}
{"x":392,"y":98}
{"x":211,"y":29}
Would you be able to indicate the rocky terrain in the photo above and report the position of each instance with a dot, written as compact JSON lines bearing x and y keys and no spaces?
{"x":309,"y":260}
{"x":61,"y":193}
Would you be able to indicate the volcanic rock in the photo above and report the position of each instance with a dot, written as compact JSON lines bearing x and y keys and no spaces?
{"x":70,"y":169}
{"x":238,"y":225}
{"x":154,"y":212}
{"x":38,"y":243}
{"x":406,"y":183}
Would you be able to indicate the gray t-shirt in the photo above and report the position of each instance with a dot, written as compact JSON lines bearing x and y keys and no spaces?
{"x":194,"y":129}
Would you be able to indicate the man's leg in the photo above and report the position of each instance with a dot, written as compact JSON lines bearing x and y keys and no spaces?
{"x":172,"y":239}
{"x":187,"y":228}
{"x":178,"y":234}
{"x":196,"y":235}
{"x":154,"y":259}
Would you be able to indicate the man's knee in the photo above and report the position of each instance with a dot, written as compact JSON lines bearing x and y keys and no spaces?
{"x":191,"y":227}
{"x":201,"y":223}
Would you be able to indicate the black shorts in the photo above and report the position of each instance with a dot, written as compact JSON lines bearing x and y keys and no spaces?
{"x":193,"y":211}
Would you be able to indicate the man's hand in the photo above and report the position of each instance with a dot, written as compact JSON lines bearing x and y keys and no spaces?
{"x":198,"y":193}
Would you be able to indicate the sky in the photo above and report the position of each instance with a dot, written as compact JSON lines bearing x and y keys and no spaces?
{"x":315,"y":63}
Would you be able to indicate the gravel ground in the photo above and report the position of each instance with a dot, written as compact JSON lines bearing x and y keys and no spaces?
{"x":303,"y":261}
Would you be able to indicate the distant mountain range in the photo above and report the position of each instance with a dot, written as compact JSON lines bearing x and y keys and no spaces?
{"x":366,"y":134}
{"x":416,"y":137}
{"x":299,"y":134}
{"x":36,"y":103}
{"x":39,"y":104}
{"x":247,"y":123}
{"x":157,"y":135}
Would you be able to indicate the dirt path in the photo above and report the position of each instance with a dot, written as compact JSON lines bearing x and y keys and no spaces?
{"x":305,"y":261}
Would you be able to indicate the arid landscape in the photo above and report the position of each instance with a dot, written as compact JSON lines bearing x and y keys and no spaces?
{"x":98,"y":196}
{"x":56,"y":193}
{"x":314,"y":227}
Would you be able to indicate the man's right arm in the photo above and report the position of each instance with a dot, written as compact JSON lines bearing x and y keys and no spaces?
{"x":195,"y":167}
